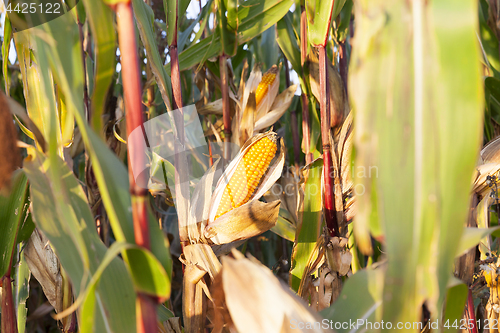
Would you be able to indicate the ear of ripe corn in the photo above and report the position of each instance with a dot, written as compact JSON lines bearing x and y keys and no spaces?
{"x":248,"y":174}
{"x":267,"y":80}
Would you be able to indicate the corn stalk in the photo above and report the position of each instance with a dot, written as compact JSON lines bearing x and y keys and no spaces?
{"x":9,"y":322}
{"x":319,"y":16}
{"x":146,"y":305}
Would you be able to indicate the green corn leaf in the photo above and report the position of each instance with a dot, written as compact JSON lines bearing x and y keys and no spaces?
{"x":12,"y":209}
{"x":319,"y":15}
{"x":111,"y":175}
{"x":115,"y":291}
{"x":22,"y":292}
{"x":489,"y":41}
{"x":255,"y":17}
{"x":472,"y":236}
{"x":201,"y":20}
{"x":418,"y":108}
{"x":67,"y":122}
{"x":309,"y":228}
{"x":288,"y":41}
{"x":227,"y":32}
{"x":172,"y":14}
{"x":148,"y":274}
{"x":455,"y":298}
{"x":104,"y":36}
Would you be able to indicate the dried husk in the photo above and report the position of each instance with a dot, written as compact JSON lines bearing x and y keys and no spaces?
{"x":338,"y":255}
{"x":488,"y":165}
{"x":339,"y":106}
{"x":246,"y":221}
{"x":173,"y":325}
{"x":280,"y":105}
{"x":491,"y":152}
{"x":44,"y":266}
{"x":248,"y":119}
{"x":286,"y":189}
{"x":211,"y":108}
{"x":493,"y":306}
{"x":199,"y":205}
{"x":483,"y":171}
{"x":203,"y":258}
{"x":193,"y":309}
{"x":258,"y":302}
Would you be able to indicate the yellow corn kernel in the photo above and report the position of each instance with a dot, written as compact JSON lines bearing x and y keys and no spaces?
{"x":267,"y":80}
{"x":248,"y":175}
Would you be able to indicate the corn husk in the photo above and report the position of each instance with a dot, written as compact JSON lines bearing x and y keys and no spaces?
{"x":44,"y":265}
{"x":257,"y":301}
{"x":251,"y":219}
{"x":269,"y":179}
{"x":214,"y":107}
{"x":491,"y":152}
{"x":480,"y":185}
{"x":339,"y":106}
{"x":280,"y":105}
{"x":338,"y":255}
{"x":488,"y":165}
{"x":201,"y":257}
{"x":265,"y":104}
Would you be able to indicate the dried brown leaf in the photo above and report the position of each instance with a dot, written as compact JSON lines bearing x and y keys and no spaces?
{"x":258,"y":302}
{"x":44,"y":266}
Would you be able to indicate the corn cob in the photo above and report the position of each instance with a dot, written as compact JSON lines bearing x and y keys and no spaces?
{"x":248,"y":175}
{"x":267,"y":80}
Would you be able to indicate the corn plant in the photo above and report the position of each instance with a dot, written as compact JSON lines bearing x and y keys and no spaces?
{"x":249,"y":165}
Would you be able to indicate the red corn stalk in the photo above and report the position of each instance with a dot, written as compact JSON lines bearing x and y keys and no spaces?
{"x":225,"y":107}
{"x":9,"y":321}
{"x":306,"y":123}
{"x":330,"y":214}
{"x":146,"y":305}
{"x":470,"y":316}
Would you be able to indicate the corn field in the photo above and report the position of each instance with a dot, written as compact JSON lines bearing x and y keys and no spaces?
{"x":250,"y":166}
